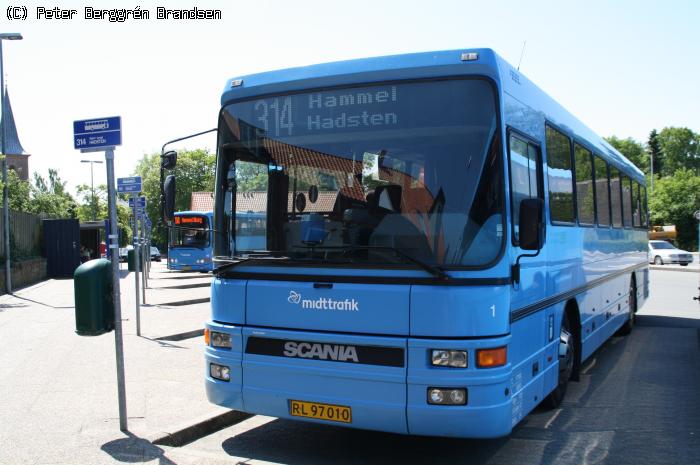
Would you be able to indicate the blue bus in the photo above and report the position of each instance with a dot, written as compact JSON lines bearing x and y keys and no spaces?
{"x":444,"y":245}
{"x":190,"y":244}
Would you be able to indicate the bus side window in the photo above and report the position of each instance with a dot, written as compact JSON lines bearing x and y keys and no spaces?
{"x":615,"y":198}
{"x":524,"y":176}
{"x":560,"y":175}
{"x":585,"y":200}
{"x":643,"y":200}
{"x":626,"y":201}
{"x":602,"y":191}
{"x":636,"y":210}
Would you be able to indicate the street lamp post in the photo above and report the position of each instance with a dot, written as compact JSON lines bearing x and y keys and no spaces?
{"x":92,"y":187}
{"x":5,"y":199}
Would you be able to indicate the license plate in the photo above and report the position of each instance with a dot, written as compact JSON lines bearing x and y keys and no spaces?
{"x":186,"y":268}
{"x":340,"y":413}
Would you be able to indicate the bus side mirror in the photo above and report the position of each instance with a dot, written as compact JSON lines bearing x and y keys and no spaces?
{"x":531,"y":235}
{"x":169,"y":193}
{"x":168,"y":160}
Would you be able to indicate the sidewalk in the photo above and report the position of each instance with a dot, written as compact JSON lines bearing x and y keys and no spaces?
{"x":59,"y":390}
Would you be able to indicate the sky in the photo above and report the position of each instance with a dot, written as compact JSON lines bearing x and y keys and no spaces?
{"x":622,"y":67}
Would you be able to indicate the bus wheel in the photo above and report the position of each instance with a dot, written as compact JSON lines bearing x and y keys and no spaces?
{"x":567,"y":355}
{"x":629,"y":324}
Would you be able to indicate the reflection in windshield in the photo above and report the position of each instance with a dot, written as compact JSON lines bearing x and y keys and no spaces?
{"x":661,"y":245}
{"x":354,"y":175}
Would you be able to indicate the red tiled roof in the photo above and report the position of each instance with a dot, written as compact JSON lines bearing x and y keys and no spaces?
{"x":202,"y":201}
{"x":256,"y":201}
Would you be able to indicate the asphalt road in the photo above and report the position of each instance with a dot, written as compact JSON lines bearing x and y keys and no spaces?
{"x":637,"y":403}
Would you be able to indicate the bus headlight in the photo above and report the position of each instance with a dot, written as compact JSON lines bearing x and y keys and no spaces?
{"x":220,"y":372}
{"x":220,"y":340}
{"x":449,"y":358}
{"x":447,"y":396}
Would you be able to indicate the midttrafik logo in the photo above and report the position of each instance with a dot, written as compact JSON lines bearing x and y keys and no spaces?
{"x":323,"y":303}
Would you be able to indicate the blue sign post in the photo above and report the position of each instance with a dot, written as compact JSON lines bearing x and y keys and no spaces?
{"x":140,"y":202}
{"x":131,"y":185}
{"x":97,"y":134}
{"x":103,"y":135}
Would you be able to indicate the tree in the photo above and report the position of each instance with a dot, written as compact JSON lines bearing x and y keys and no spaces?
{"x":655,"y":153}
{"x":18,"y":192}
{"x":90,"y":205}
{"x":681,"y":149}
{"x":99,"y":204}
{"x":251,"y":176}
{"x":51,"y":198}
{"x":633,"y":150}
{"x":674,"y":201}
{"x":194,"y":172}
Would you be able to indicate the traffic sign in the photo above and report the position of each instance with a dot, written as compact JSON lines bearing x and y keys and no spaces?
{"x":132,"y":184}
{"x":97,"y":133}
{"x":140,"y":202}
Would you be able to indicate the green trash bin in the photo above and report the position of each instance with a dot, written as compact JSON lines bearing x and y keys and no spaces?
{"x":131,"y":259}
{"x":94,"y":305}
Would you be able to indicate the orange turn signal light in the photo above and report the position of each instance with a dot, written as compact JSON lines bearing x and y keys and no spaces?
{"x":490,"y":358}
{"x":206,"y":336}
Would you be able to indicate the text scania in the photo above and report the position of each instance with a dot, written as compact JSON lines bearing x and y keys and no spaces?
{"x":339,"y":353}
{"x":352,"y":119}
{"x":322,"y":303}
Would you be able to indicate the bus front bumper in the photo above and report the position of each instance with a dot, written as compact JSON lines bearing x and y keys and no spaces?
{"x":194,"y":267}
{"x":391,"y":399}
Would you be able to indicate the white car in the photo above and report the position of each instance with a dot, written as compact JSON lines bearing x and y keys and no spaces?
{"x":662,"y":252}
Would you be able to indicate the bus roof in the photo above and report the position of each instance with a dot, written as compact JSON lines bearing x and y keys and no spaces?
{"x":192,"y":212}
{"x":426,"y":65}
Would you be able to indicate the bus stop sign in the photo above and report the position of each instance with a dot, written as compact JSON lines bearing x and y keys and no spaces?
{"x":97,"y":134}
{"x":132,"y":184}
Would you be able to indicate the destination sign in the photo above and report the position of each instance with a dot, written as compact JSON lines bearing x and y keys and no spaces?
{"x":189,"y":220}
{"x":328,"y":110}
{"x":385,"y":107}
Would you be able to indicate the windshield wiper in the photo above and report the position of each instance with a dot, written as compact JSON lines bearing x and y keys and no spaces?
{"x":236,"y":260}
{"x":432,"y":269}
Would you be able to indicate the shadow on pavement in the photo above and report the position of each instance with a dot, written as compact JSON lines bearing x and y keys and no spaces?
{"x":41,"y":303}
{"x":5,"y":306}
{"x":278,"y":441}
{"x":668,"y":321}
{"x":636,"y":403}
{"x":134,"y":449}
{"x":163,"y":344}
{"x":197,"y":276}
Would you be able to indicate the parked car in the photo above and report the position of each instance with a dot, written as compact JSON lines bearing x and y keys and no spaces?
{"x":662,"y":252}
{"x":123,"y":253}
{"x":155,"y":254}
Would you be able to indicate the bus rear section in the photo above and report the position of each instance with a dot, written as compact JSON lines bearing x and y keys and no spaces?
{"x":359,"y":355}
{"x":190,"y":247}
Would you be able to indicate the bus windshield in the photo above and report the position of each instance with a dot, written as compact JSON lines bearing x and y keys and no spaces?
{"x":381,"y":174}
{"x":190,"y":231}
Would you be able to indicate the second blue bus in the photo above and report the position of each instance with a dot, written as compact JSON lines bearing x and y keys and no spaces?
{"x":190,"y":244}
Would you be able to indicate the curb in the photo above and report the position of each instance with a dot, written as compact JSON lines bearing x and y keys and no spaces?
{"x":682,"y":270}
{"x":182,"y":336}
{"x":182,"y":286}
{"x":180,"y":303}
{"x":187,"y":434}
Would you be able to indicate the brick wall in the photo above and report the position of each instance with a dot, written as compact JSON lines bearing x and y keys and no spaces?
{"x":24,"y":273}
